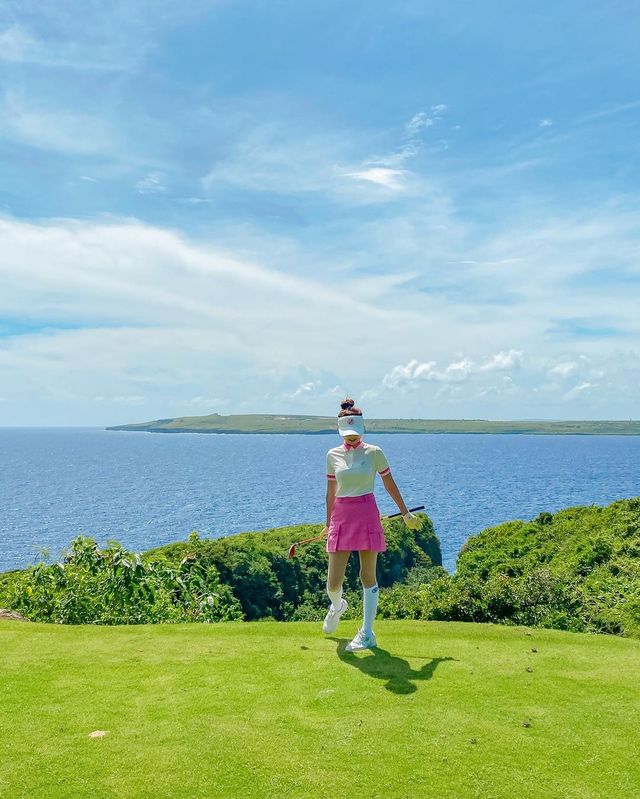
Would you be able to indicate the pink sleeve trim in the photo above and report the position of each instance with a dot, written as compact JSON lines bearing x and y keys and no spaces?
{"x":385,"y":471}
{"x":331,"y":477}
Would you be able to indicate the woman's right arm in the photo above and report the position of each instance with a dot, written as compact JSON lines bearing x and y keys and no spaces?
{"x":332,"y":488}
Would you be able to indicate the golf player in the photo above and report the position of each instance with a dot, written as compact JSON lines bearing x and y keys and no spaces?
{"x":353,"y":519}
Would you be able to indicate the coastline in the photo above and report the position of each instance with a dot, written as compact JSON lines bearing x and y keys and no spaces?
{"x":269,"y":424}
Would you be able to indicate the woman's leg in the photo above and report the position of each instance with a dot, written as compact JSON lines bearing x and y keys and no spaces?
{"x":335,"y":576}
{"x":368,"y":561}
{"x":369,"y":582}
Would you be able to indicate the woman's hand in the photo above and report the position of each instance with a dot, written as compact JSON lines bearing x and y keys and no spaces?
{"x":412,"y":522}
{"x":324,"y":532}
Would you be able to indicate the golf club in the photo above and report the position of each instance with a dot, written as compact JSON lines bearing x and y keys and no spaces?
{"x":292,"y":548}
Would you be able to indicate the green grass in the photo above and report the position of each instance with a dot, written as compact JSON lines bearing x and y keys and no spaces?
{"x":268,"y":709}
{"x":272,"y":423}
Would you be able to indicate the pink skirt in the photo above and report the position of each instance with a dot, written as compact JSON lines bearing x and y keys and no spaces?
{"x":355,"y":525}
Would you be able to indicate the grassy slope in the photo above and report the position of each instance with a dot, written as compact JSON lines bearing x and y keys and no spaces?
{"x":273,"y":710}
{"x":272,"y":423}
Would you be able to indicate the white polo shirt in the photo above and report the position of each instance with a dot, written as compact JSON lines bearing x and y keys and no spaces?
{"x":354,"y":469}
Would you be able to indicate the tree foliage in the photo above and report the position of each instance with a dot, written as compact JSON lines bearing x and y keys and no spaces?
{"x":113,"y":586}
{"x":247,"y":576}
{"x":578,"y":569}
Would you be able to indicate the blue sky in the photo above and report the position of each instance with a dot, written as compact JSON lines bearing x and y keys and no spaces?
{"x":259,"y":206}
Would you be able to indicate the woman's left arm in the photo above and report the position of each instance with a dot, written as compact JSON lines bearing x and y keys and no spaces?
{"x":394,"y":492}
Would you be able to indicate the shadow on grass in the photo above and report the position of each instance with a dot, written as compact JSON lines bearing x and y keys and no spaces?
{"x":382,"y":665}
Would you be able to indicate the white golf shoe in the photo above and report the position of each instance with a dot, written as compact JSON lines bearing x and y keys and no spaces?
{"x":362,"y":640}
{"x":333,"y":617}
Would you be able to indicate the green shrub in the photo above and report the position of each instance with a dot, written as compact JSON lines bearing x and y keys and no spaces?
{"x":576,"y":570}
{"x":247,"y":576}
{"x":269,"y":584}
{"x":113,"y":586}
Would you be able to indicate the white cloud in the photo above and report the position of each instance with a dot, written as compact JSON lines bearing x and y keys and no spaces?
{"x":545,"y":123}
{"x":405,"y":374}
{"x":170,"y":316}
{"x":502,"y":360}
{"x":284,"y":160}
{"x":153,"y":310}
{"x":576,"y":390}
{"x":393,"y":161}
{"x":564,"y":369}
{"x":305,"y":388}
{"x":415,"y":372}
{"x":382,"y":176}
{"x":458,"y":370}
{"x":151,"y":184}
{"x":423,"y":120}
{"x":417,"y":123}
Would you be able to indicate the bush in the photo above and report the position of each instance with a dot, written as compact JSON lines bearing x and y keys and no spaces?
{"x":113,"y":586}
{"x":269,"y":584}
{"x":577,"y":570}
{"x":247,"y":576}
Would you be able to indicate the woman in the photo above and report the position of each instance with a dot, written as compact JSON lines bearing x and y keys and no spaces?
{"x":353,"y":519}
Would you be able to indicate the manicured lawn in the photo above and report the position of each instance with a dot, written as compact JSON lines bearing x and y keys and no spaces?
{"x":277,"y":710}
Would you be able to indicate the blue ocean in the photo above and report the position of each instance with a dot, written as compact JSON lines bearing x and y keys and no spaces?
{"x":147,"y":489}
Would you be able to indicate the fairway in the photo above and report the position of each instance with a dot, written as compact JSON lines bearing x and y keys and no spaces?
{"x":447,"y":710}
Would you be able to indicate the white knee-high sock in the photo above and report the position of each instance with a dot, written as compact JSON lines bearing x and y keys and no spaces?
{"x":370,"y":604}
{"x":335,"y":597}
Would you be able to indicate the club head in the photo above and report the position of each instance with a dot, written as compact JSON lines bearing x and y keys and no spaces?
{"x":292,"y":550}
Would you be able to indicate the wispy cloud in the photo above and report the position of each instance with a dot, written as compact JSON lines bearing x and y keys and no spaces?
{"x":278,"y":158}
{"x":382,"y":176}
{"x":388,"y":170}
{"x":16,"y":44}
{"x":305,"y":389}
{"x":110,"y":36}
{"x":412,"y":142}
{"x":53,"y":130}
{"x":199,"y":403}
{"x":158,"y":307}
{"x":564,"y":369}
{"x":608,"y":111}
{"x":153,"y":183}
{"x":578,"y":389}
{"x":282,"y":210}
{"x":424,"y":119}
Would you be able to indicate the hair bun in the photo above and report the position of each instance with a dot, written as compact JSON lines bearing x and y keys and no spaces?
{"x":346,"y":404}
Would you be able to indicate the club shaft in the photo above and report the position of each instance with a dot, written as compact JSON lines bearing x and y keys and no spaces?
{"x":318,"y":537}
{"x":393,"y":515}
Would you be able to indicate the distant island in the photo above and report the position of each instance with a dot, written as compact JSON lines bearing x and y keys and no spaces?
{"x":318,"y":425}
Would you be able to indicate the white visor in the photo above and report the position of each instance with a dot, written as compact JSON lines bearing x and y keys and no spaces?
{"x":351,"y":426}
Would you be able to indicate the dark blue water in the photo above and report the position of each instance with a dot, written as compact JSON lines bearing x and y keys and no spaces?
{"x":146,"y":489}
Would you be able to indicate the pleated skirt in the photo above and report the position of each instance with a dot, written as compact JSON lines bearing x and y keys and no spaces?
{"x":355,"y":525}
